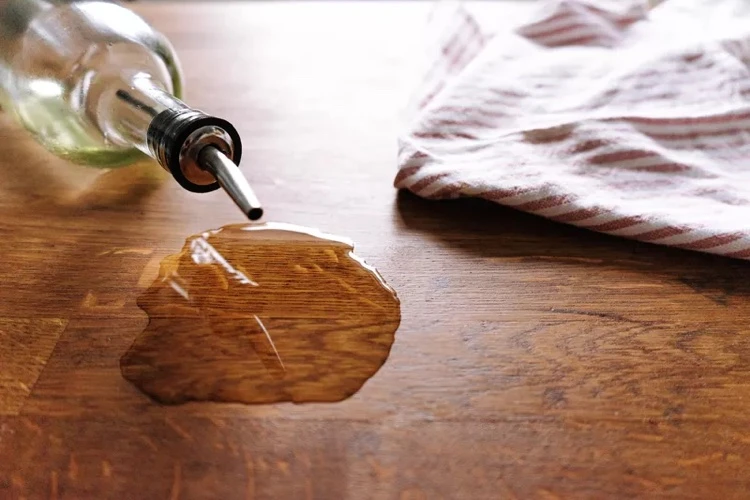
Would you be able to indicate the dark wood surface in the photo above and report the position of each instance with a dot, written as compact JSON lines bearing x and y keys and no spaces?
{"x":533,"y":360}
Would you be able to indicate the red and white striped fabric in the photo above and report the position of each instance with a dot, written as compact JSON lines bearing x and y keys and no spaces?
{"x":602,"y":114}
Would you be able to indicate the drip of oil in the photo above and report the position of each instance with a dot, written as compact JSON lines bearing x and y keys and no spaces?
{"x":262,"y":313}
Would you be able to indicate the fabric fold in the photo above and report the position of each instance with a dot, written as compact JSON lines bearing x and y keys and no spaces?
{"x":601,"y":114}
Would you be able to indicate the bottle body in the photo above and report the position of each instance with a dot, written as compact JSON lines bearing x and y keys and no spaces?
{"x":62,"y":64}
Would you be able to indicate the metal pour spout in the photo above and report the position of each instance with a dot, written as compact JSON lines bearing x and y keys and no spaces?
{"x":230,"y":178}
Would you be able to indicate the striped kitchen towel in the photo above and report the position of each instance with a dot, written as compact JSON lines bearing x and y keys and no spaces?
{"x":607,"y":115}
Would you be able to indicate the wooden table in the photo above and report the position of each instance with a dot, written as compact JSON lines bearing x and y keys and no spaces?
{"x":534,"y":360}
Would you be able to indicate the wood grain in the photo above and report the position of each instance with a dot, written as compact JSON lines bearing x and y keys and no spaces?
{"x":262,"y":314}
{"x":25,"y":346}
{"x":533,"y":360}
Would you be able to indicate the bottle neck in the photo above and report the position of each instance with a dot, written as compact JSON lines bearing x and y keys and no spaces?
{"x":125,"y":109}
{"x":144,"y":115}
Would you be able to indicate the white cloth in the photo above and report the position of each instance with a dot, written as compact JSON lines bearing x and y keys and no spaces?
{"x":602,"y":114}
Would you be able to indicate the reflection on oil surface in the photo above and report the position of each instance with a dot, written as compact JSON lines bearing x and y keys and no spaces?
{"x":262,"y":313}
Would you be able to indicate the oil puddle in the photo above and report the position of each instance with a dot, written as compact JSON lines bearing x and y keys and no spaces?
{"x":262,"y":313}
